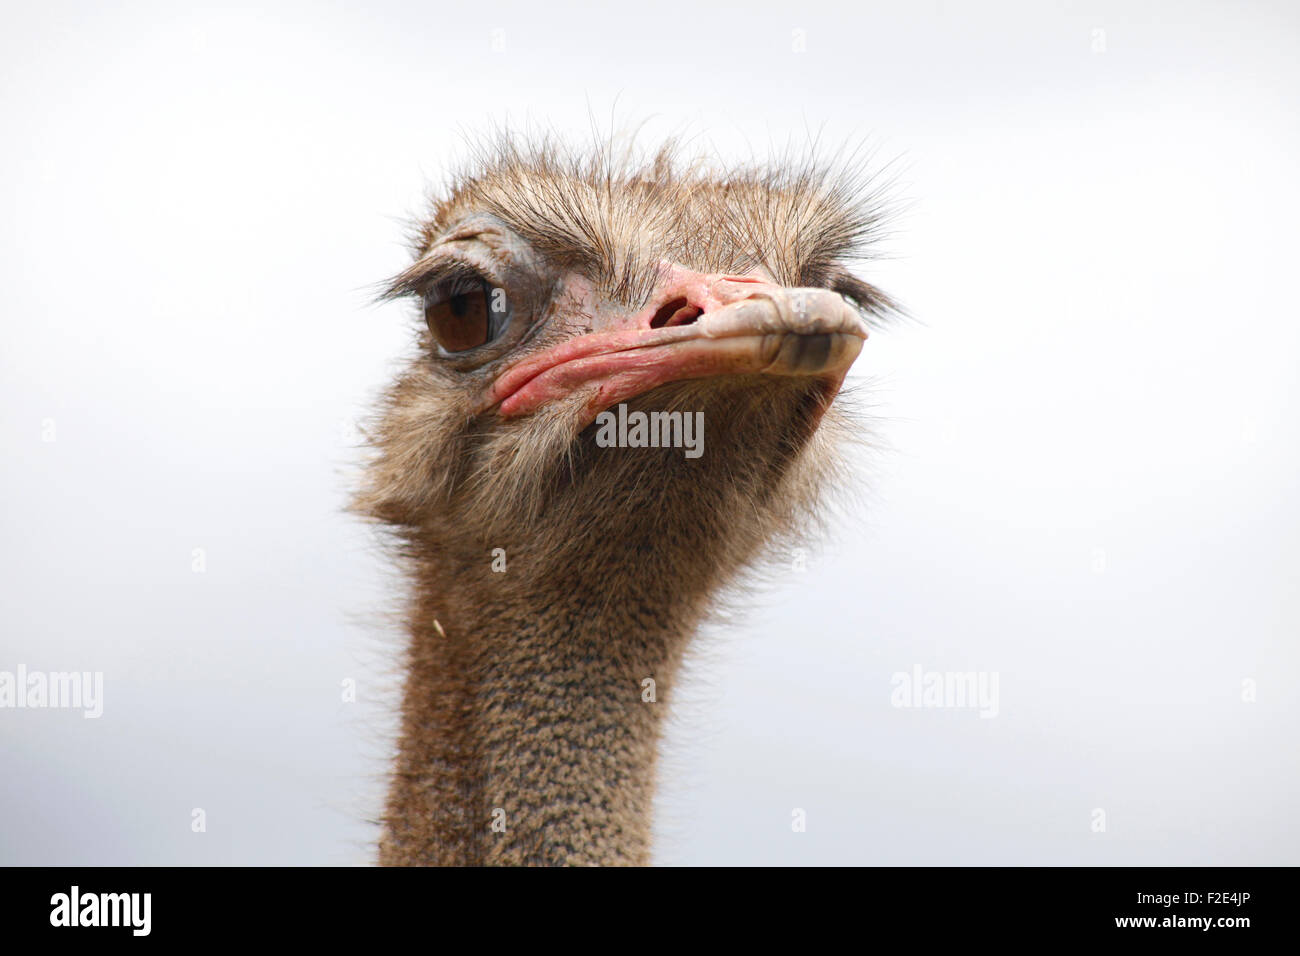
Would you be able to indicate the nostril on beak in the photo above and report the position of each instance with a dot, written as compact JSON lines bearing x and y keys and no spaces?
{"x":676,"y":312}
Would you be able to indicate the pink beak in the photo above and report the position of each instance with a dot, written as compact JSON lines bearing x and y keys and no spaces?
{"x":697,"y":326}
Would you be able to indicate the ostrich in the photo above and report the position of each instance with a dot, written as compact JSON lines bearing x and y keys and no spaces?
{"x":555,"y":582}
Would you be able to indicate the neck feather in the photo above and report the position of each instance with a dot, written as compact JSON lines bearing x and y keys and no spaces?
{"x":529,"y":732}
{"x":529,"y":727}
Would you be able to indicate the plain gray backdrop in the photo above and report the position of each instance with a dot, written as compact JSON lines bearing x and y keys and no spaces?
{"x":1086,"y":445}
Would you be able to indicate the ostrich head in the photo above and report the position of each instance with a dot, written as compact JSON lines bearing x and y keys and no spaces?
{"x":554,"y":575}
{"x":553,"y":286}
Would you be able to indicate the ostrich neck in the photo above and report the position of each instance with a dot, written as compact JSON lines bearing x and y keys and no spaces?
{"x":529,"y":730}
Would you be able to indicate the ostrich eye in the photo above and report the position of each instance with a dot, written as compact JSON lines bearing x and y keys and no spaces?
{"x":464,"y":313}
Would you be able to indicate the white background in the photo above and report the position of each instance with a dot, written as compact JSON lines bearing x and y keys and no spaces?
{"x":1088,"y":446}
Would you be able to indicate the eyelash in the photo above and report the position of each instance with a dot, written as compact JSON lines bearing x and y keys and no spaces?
{"x":448,"y":279}
{"x":865,"y":307}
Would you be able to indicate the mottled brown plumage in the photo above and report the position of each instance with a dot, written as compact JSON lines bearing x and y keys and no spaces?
{"x":524,"y":701}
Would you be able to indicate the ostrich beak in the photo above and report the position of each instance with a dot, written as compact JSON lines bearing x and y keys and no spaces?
{"x":701,"y":326}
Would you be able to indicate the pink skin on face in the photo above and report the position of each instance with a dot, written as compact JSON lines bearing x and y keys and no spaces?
{"x":745,"y":325}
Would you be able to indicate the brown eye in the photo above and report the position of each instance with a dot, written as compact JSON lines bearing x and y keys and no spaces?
{"x":460,"y":315}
